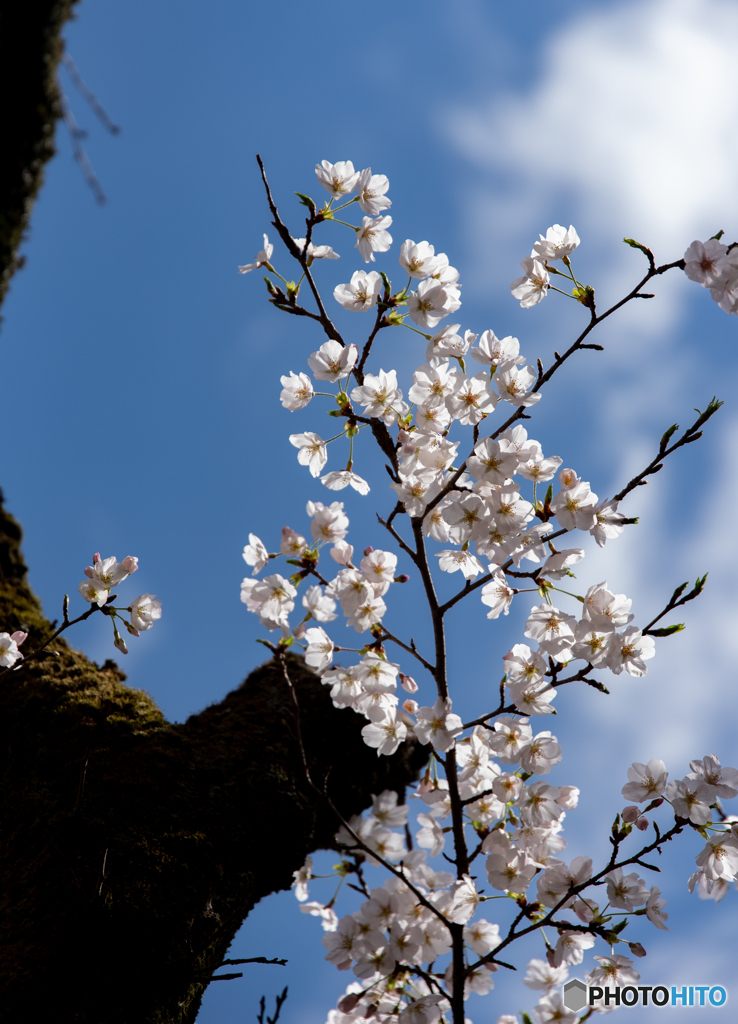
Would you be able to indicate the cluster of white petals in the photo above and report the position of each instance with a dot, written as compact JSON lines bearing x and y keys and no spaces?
{"x":106,"y":573}
{"x":715,"y":266}
{"x":490,"y":506}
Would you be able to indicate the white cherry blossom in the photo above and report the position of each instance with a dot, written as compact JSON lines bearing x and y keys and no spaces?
{"x":432,"y":302}
{"x":9,"y":644}
{"x":625,"y":892}
{"x":337,"y":179}
{"x":340,"y":478}
{"x":629,"y":651}
{"x":437,"y":725}
{"x":319,"y":652}
{"x":312,"y":451}
{"x":533,"y":285}
{"x":706,"y":262}
{"x":373,"y":236}
{"x":646,"y":781}
{"x":379,"y":395}
{"x":497,"y":595}
{"x":371,"y":189}
{"x":297,"y":390}
{"x":448,"y":343}
{"x":315,"y":252}
{"x":361,"y":293}
{"x":654,"y":909}
{"x":329,"y":522}
{"x":721,"y":781}
{"x":418,"y":259}
{"x":558,"y":243}
{"x":254,"y":553}
{"x":292,"y":544}
{"x":514,"y":384}
{"x":333,"y":361}
{"x":492,"y":351}
{"x":145,"y":611}
{"x":261,"y":259}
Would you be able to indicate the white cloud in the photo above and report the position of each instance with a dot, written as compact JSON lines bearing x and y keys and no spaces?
{"x":635,"y":114}
{"x":631,"y":128}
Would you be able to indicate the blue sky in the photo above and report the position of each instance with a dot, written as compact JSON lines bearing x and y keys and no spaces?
{"x":145,"y":418}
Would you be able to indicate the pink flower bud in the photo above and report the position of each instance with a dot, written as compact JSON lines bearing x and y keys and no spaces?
{"x":130,"y":564}
{"x":19,"y":636}
{"x":411,"y":706}
{"x":347,"y":1003}
{"x":368,"y":551}
{"x":132,"y":629}
{"x":637,"y":949}
{"x":299,"y":631}
{"x":121,"y":644}
{"x":401,"y":579}
{"x":551,"y":957}
{"x":630,"y":813}
{"x":408,"y":683}
{"x":426,"y":785}
{"x":96,"y":557}
{"x":642,"y":824}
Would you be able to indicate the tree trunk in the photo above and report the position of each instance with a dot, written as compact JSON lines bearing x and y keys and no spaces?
{"x":30,"y":48}
{"x":133,"y":848}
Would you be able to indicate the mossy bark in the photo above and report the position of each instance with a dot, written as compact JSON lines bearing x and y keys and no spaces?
{"x":30,"y":49}
{"x":133,"y":848}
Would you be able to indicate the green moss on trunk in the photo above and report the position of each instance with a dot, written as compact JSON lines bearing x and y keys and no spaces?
{"x":133,"y":848}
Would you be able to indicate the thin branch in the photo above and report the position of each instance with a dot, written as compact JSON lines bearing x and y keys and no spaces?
{"x":67,"y":622}
{"x":693,"y":433}
{"x":279,"y":655}
{"x":410,"y":648}
{"x":558,"y":362}
{"x":254,"y":960}
{"x":76,"y":134}
{"x":300,"y":256}
{"x":514,"y":934}
{"x":88,"y":95}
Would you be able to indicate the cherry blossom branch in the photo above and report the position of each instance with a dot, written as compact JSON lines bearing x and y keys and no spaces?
{"x":379,"y":323}
{"x":501,"y":710}
{"x":301,"y":257}
{"x":66,"y":623}
{"x":674,"y":602}
{"x":693,"y":433}
{"x":574,"y":890}
{"x":559,"y":360}
{"x":387,"y":524}
{"x":431,"y":980}
{"x":281,"y":659}
{"x":411,"y":649}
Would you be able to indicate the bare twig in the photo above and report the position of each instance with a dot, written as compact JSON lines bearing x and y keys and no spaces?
{"x":88,"y":95}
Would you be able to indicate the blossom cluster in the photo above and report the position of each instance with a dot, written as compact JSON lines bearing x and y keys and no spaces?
{"x":695,"y":799}
{"x":715,"y":266}
{"x":401,"y":931}
{"x":102,"y":576}
{"x":484,"y":508}
{"x":712,"y":264}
